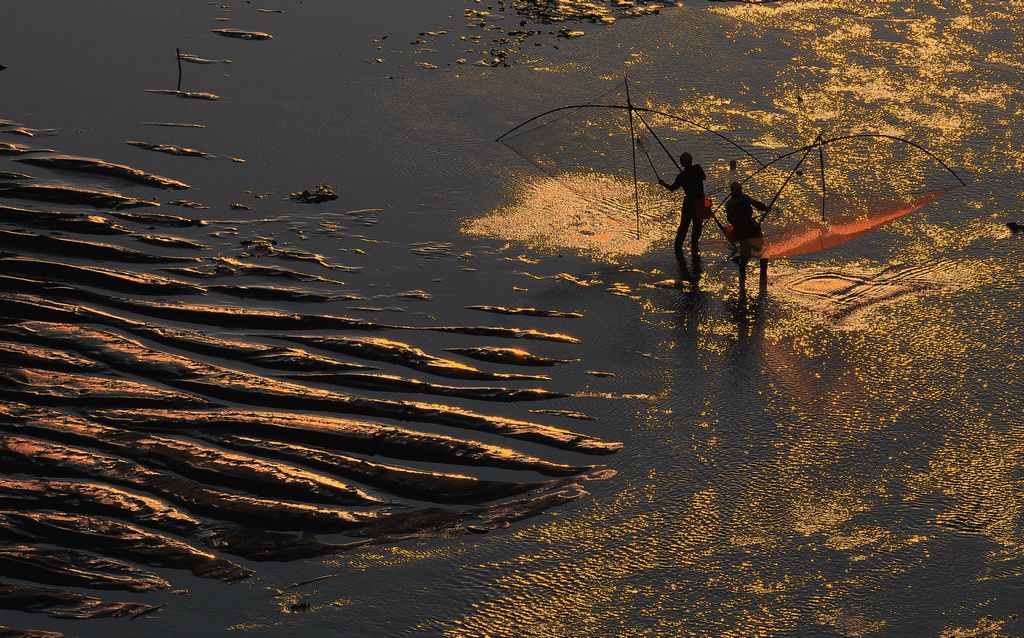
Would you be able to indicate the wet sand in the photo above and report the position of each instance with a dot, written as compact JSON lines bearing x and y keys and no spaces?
{"x":477,"y":403}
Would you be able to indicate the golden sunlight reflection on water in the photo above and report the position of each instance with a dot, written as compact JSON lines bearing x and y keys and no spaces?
{"x":889,"y":379}
{"x":550,"y":214}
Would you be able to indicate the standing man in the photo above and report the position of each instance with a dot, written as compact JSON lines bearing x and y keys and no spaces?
{"x":691,"y":180}
{"x":746,"y":231}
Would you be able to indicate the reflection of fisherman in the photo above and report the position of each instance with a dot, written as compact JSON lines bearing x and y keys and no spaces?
{"x":691,"y":180}
{"x":746,"y":231}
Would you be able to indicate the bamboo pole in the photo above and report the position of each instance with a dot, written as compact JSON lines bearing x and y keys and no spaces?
{"x":632,"y":140}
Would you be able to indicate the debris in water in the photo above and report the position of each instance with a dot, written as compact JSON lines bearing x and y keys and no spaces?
{"x":600,"y":373}
{"x":195,"y":59}
{"x":242,"y":35}
{"x":177,"y":124}
{"x":319,"y":193}
{"x":185,"y":203}
{"x":318,"y":578}
{"x":194,"y":95}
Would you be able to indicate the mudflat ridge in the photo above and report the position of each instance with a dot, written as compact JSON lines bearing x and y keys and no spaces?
{"x":152,"y":418}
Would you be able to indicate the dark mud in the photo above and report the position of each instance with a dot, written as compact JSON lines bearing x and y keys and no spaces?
{"x":17,"y":632}
{"x":275,"y":293}
{"x":48,"y":387}
{"x":476,"y":520}
{"x":221,"y":266}
{"x":48,"y":244}
{"x":191,"y":460}
{"x":512,"y":356}
{"x":56,"y":459}
{"x":529,"y":312}
{"x":337,"y":433}
{"x":170,"y":242}
{"x":122,"y":539}
{"x":160,"y":219}
{"x":126,"y":355}
{"x":31,"y":132}
{"x":438,"y":487}
{"x":10,"y":148}
{"x":54,"y":220}
{"x":123,"y":281}
{"x":29,"y":356}
{"x":571,"y":414}
{"x":72,"y":568}
{"x":392,"y":383}
{"x":60,"y":194}
{"x":63,"y":604}
{"x":235,"y":317}
{"x":170,"y":149}
{"x":98,"y":498}
{"x":265,"y":356}
{"x":506,"y":333}
{"x":403,"y":354}
{"x":94,"y":166}
{"x":263,"y":247}
{"x":186,"y":203}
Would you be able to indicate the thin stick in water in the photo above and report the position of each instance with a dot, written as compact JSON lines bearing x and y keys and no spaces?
{"x":311,"y":580}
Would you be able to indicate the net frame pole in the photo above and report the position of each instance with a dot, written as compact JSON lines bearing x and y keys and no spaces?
{"x":638,"y":110}
{"x":643,"y":147}
{"x":821,"y":158}
{"x":714,"y":217}
{"x":632,"y":141}
{"x":671,"y":157}
{"x":842,"y":138}
{"x":789,"y":177}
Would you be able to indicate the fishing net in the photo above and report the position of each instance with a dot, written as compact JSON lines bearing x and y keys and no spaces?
{"x":843,"y":187}
{"x":825,"y":194}
{"x":589,"y":149}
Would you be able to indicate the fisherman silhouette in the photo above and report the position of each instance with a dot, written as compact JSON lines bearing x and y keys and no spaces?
{"x":691,"y":180}
{"x":746,"y":231}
